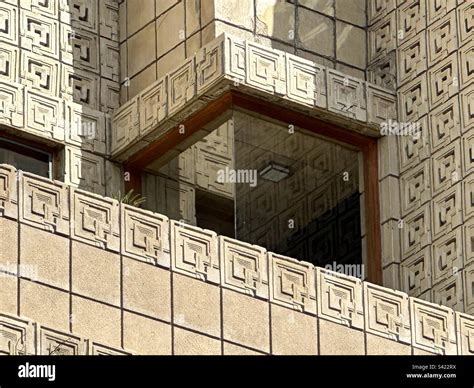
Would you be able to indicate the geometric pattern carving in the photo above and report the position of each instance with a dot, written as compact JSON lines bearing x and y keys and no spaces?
{"x":16,"y":336}
{"x":85,"y":128}
{"x":182,"y":168}
{"x":44,"y":115}
{"x":181,"y":85}
{"x":153,"y":105}
{"x":432,"y":327}
{"x":182,"y":207}
{"x":443,"y":80}
{"x":447,"y":256}
{"x":84,"y":170}
{"x":207,"y":166}
{"x":8,"y":23}
{"x":445,"y":124}
{"x":446,"y":167}
{"x":468,"y":196}
{"x":109,"y":95}
{"x":447,"y":211}
{"x":416,"y":187}
{"x":382,"y":105}
{"x":80,"y":49}
{"x":413,"y":99}
{"x":346,"y":95}
{"x":145,"y":236}
{"x":465,"y":334}
{"x":416,"y":231}
{"x":9,"y":63}
{"x":465,"y":21}
{"x":235,"y":63}
{"x":306,"y":81}
{"x":39,"y":73}
{"x":382,"y":37}
{"x":416,"y":273}
{"x":466,"y":64}
{"x":467,"y":107}
{"x":380,"y":8}
{"x":262,"y":70}
{"x":11,"y":104}
{"x":209,"y":64}
{"x":340,"y":298}
{"x":469,"y":242}
{"x":44,"y":203}
{"x":411,"y":18}
{"x":412,"y":59}
{"x":387,"y":313}
{"x":109,"y":57}
{"x":449,"y":292}
{"x":469,"y":288}
{"x":383,"y":72}
{"x":439,"y":8}
{"x":194,"y":252}
{"x":244,"y":267}
{"x":292,"y":284}
{"x":41,"y":7}
{"x":8,"y":192}
{"x":80,"y":14}
{"x":126,"y":125}
{"x":442,"y":38}
{"x":95,"y":220}
{"x":415,"y":149}
{"x":109,"y":19}
{"x":39,"y":34}
{"x":80,"y":86}
{"x":265,"y":68}
{"x":55,"y":343}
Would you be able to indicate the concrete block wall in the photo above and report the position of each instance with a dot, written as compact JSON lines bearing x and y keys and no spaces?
{"x":423,"y":50}
{"x":59,"y":81}
{"x":157,"y":34}
{"x":329,"y":32}
{"x":114,"y":279}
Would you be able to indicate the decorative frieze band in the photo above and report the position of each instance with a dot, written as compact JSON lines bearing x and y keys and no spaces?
{"x":242,"y":267}
{"x":22,"y":337}
{"x":228,"y":62}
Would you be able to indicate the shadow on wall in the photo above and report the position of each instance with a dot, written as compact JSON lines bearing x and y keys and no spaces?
{"x":90,"y":85}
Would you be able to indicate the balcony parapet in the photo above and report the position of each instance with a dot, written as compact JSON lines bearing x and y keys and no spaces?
{"x":246,"y":269}
{"x":229,"y":63}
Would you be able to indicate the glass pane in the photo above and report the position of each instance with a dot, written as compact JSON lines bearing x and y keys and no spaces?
{"x":303,"y":200}
{"x":25,"y":158}
{"x":268,"y":184}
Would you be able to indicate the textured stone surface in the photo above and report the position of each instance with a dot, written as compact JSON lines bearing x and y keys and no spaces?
{"x":44,"y":305}
{"x":235,"y":350}
{"x":96,"y":320}
{"x":293,"y":333}
{"x":146,"y":289}
{"x":383,"y":347}
{"x":151,"y":337}
{"x":96,"y":273}
{"x":427,"y":233}
{"x":264,"y":70}
{"x":8,"y":293}
{"x":198,"y":309}
{"x":49,"y":263}
{"x":246,"y":320}
{"x":193,"y":344}
{"x":337,"y":339}
{"x":9,"y":251}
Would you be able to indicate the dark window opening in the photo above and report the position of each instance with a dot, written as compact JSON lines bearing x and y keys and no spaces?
{"x":215,"y":212}
{"x":25,"y":158}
